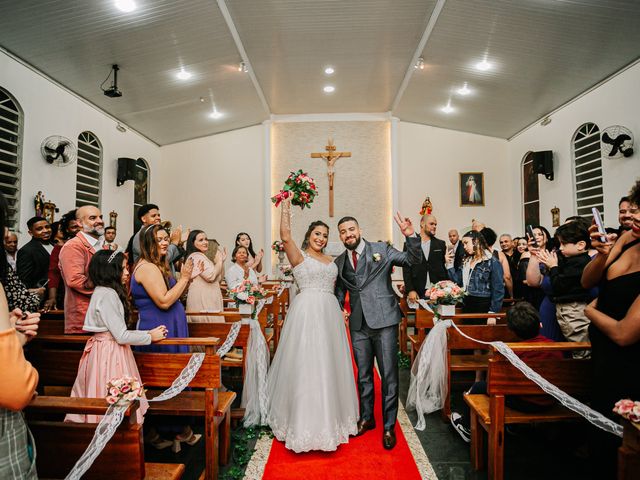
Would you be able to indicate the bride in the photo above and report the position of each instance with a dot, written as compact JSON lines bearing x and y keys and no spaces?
{"x":311,"y":389}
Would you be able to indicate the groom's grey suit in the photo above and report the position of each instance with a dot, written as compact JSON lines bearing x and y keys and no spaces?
{"x":374,"y":319}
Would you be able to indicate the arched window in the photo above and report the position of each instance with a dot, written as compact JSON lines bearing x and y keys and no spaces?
{"x":141,"y":190}
{"x":88,"y":177}
{"x":587,"y":164}
{"x":530,"y":192}
{"x":11,"y":121}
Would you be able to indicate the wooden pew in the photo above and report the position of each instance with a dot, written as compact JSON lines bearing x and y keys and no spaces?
{"x":489,"y":412}
{"x":60,"y":444}
{"x":157,"y":370}
{"x":471,"y":362}
{"x":423,"y":322}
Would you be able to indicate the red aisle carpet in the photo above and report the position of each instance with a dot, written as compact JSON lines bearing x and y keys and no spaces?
{"x":362,"y":458}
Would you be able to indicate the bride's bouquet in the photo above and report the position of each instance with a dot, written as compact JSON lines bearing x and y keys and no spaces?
{"x":300,"y":187}
{"x":247,"y":292}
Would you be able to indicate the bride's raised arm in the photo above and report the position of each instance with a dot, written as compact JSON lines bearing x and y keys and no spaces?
{"x":290,"y":248}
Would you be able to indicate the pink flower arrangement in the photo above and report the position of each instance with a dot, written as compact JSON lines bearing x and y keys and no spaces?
{"x":445,"y":292}
{"x":286,"y":270}
{"x":277,"y":246}
{"x":121,"y":391}
{"x":628,"y":409}
{"x":247,"y":292}
{"x":300,"y":187}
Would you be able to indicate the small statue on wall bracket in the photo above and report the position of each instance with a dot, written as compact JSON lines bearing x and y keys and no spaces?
{"x":38,"y":204}
{"x":427,"y":207}
{"x":555,"y":217}
{"x":113,"y":219}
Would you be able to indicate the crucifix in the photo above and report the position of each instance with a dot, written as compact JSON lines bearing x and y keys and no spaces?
{"x":331,"y":156}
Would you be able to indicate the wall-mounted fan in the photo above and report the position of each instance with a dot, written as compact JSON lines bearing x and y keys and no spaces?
{"x":58,"y":151}
{"x":617,"y":142}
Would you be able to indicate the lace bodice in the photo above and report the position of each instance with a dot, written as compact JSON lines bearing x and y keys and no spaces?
{"x":315,"y":275}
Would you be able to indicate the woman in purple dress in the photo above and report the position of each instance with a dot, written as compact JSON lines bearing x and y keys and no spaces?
{"x":156,"y":294}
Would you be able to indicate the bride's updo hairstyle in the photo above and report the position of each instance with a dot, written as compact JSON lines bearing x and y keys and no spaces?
{"x":312,"y":227}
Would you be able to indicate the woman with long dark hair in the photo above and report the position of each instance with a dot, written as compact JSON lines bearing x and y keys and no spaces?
{"x":539,"y":283}
{"x":108,"y":354}
{"x":204,"y":293}
{"x":254,"y":260}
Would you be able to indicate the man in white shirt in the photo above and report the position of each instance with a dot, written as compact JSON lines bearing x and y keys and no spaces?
{"x":11,"y":247}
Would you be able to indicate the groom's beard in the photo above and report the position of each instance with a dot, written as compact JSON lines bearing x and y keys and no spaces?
{"x":354,"y":246}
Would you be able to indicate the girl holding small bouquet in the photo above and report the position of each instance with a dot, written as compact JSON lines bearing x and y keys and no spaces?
{"x":107,"y":354}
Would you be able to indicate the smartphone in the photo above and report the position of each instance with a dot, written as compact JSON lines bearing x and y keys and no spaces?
{"x":598,"y":219}
{"x":531,"y":235}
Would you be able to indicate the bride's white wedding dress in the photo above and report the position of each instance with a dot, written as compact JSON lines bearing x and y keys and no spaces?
{"x":313,"y":404}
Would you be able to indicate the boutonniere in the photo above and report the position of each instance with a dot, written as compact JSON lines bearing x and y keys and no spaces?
{"x":376,"y":257}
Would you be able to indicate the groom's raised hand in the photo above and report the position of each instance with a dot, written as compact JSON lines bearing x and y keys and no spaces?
{"x":406,"y":227}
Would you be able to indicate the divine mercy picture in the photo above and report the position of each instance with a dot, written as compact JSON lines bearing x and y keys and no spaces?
{"x":471,"y":189}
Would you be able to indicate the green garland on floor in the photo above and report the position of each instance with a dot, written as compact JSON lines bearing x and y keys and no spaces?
{"x":403,"y":361}
{"x":241,"y":453}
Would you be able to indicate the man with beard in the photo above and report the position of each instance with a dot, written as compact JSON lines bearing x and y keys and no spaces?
{"x":364,"y":270}
{"x":625,"y":219}
{"x":32,"y":264}
{"x":74,"y":266}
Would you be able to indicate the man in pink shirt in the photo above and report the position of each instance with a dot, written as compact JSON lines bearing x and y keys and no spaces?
{"x":74,"y":267}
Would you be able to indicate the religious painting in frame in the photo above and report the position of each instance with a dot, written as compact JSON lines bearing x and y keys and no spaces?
{"x":471,"y":189}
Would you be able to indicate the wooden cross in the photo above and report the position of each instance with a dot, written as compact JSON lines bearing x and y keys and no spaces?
{"x":331,"y":156}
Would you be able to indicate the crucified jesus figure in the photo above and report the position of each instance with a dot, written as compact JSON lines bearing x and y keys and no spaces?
{"x":331,"y":157}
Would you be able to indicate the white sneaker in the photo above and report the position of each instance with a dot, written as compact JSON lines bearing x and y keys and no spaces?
{"x":464,"y":432}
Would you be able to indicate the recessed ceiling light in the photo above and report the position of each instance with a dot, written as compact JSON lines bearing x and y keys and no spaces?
{"x":126,"y":5}
{"x":464,"y":90}
{"x":216,"y":114}
{"x":243,"y":67}
{"x":447,"y":108}
{"x":183,"y":74}
{"x":419,"y":64}
{"x":329,"y":89}
{"x":483,"y":66}
{"x":329,"y":70}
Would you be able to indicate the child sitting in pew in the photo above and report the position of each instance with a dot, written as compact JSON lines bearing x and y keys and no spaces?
{"x":107,"y":354}
{"x":523,"y":320}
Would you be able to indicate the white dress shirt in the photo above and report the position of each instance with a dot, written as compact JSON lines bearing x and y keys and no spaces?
{"x":11,"y":260}
{"x":426,"y":246}
{"x":96,"y":243}
{"x":106,"y":314}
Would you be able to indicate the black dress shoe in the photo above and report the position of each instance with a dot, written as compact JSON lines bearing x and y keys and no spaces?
{"x":364,"y":425}
{"x":389,"y":439}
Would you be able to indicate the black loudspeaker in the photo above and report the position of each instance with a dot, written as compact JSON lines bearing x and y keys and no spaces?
{"x":126,"y":170}
{"x":543,"y":163}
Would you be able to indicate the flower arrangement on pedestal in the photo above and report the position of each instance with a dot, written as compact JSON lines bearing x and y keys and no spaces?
{"x":628,"y":409}
{"x":124,"y":390}
{"x":300,"y":188}
{"x":277,"y":246}
{"x":445,"y":295}
{"x":246,"y":295}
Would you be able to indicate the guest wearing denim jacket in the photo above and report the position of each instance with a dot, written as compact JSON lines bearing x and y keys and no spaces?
{"x":480,"y":275}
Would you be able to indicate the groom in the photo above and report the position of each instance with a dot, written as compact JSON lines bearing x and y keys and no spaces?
{"x":364,"y":270}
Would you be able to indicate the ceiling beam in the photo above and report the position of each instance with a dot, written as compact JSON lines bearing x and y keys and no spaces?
{"x":243,"y":54}
{"x":418,"y":52}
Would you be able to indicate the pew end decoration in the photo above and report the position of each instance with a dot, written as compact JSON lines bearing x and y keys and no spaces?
{"x":286,"y":270}
{"x":445,"y":295}
{"x":246,"y":295}
{"x":628,"y":409}
{"x":124,"y":390}
{"x":300,"y":188}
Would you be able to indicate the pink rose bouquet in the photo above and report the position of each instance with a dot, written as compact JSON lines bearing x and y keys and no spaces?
{"x":628,"y":409}
{"x":246,"y":292}
{"x":121,"y":391}
{"x":445,"y":292}
{"x":300,"y":187}
{"x":277,"y":246}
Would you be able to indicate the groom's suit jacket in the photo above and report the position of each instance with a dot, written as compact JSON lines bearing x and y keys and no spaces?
{"x":371,"y":295}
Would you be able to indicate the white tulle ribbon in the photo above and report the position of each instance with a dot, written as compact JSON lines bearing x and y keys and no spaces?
{"x":428,"y":386}
{"x":115,"y":413}
{"x":427,"y":389}
{"x":254,"y":392}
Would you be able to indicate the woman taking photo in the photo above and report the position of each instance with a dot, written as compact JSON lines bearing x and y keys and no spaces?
{"x":480,"y":275}
{"x":204,"y":292}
